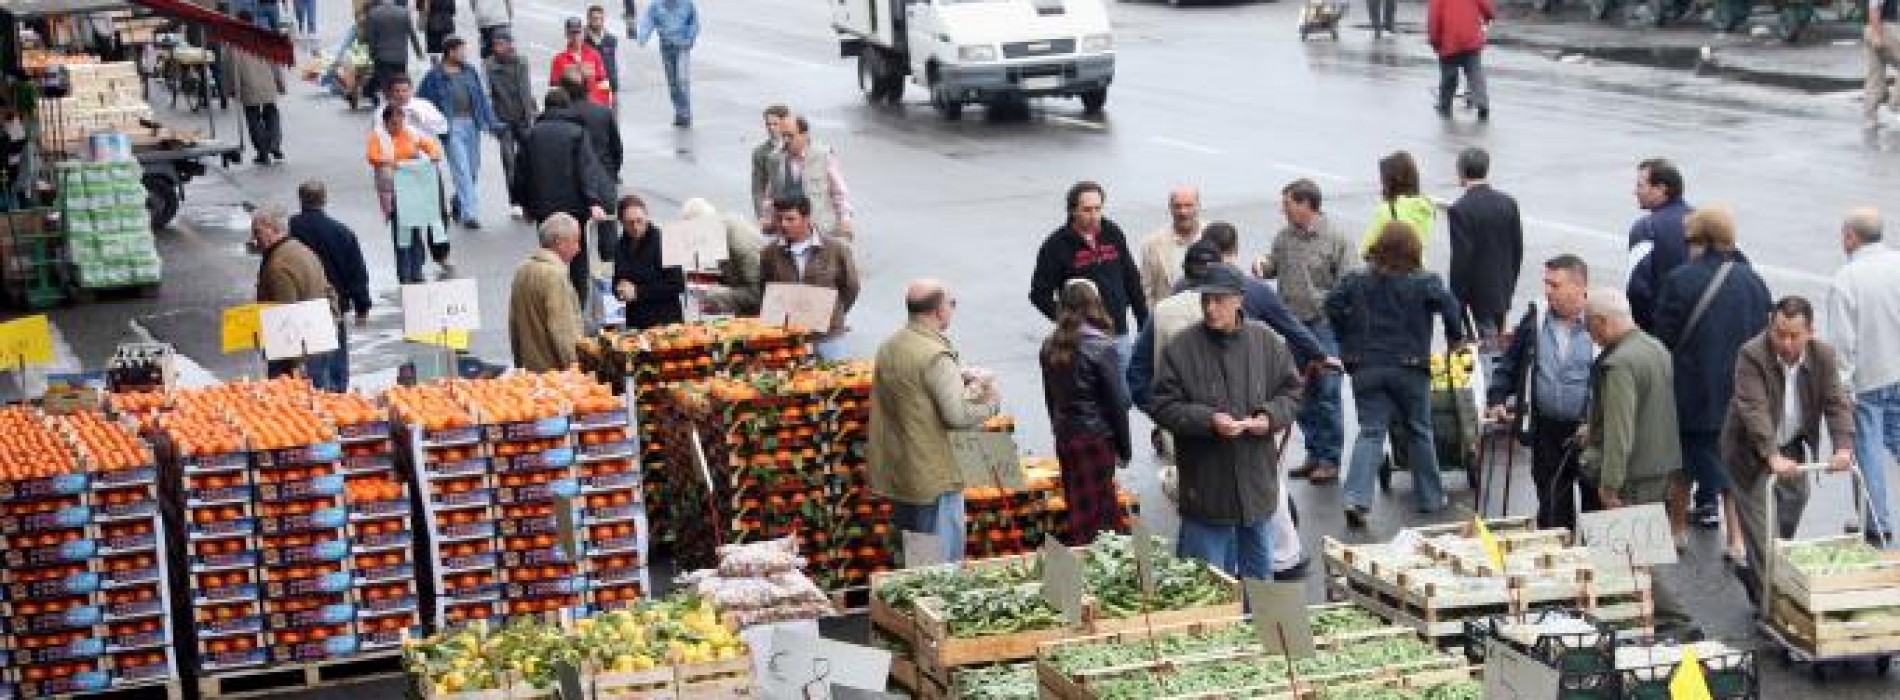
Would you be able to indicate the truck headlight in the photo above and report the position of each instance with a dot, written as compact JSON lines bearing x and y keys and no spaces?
{"x":976,"y":53}
{"x":1098,"y":43}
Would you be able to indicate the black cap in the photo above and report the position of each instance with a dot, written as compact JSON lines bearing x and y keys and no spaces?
{"x":453,"y":42}
{"x":1221,"y":279}
{"x":573,"y":24}
{"x":1199,"y":257}
{"x":500,"y":35}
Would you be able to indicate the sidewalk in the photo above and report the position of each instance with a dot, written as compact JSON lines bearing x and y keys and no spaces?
{"x":1828,"y":58}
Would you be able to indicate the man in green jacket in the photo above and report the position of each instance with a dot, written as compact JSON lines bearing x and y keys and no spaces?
{"x":1631,"y":452}
{"x":921,"y":394}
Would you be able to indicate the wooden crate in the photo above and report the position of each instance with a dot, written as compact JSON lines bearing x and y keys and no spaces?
{"x":1065,"y":685}
{"x":1099,"y":623}
{"x":1874,"y":587}
{"x":654,"y":684}
{"x":937,"y":652}
{"x":715,"y":680}
{"x":1820,"y":636}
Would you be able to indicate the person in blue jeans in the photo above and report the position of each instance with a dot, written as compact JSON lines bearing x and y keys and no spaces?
{"x":1863,"y":322}
{"x":1383,"y":314}
{"x":455,"y":88}
{"x":306,"y":14}
{"x":677,"y":21}
{"x":1225,"y":387}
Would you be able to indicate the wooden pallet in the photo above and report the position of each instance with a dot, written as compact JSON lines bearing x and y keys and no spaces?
{"x":655,"y":684}
{"x":173,"y":689}
{"x":1099,"y":623}
{"x":279,"y":678}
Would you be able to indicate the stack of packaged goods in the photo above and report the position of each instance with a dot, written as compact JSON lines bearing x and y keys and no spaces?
{"x":526,"y":434}
{"x":1003,"y":521}
{"x":216,"y":497}
{"x":760,"y":583}
{"x":108,"y":231}
{"x":650,"y":362}
{"x":86,"y":605}
{"x":613,"y":510}
{"x":457,"y":494}
{"x":785,"y":455}
{"x":380,"y":543}
{"x":100,"y":97}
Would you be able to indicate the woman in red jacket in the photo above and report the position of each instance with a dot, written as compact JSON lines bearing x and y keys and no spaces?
{"x":1456,"y":31}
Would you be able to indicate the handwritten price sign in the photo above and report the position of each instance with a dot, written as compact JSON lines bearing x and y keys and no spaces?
{"x":26,"y":340}
{"x":431,"y":308}
{"x":1632,"y":536}
{"x":987,"y":458}
{"x":800,"y":305}
{"x":296,"y":330}
{"x":693,"y":244}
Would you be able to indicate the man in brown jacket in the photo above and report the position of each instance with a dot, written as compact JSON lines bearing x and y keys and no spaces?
{"x":544,"y":318}
{"x":921,"y":394}
{"x":1786,"y":383}
{"x":289,"y":274}
{"x":801,"y":256}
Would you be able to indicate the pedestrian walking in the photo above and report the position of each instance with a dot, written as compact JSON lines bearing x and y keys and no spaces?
{"x":737,"y":292}
{"x":801,"y":254}
{"x":1308,"y":257}
{"x":1540,"y":386}
{"x":1258,"y":299}
{"x":1399,"y":200}
{"x":1087,"y":400}
{"x":922,"y":393}
{"x":806,"y":168}
{"x":544,"y":321}
{"x":603,"y":129}
{"x":403,"y":162}
{"x":1787,"y":382}
{"x":650,"y":289}
{"x":1163,"y":250}
{"x":557,"y":172}
{"x":1656,"y":241}
{"x":512,"y":94}
{"x":593,"y":71}
{"x":456,"y":87}
{"x":1384,"y":316}
{"x":764,"y":157}
{"x":1705,"y":311}
{"x":388,"y":32}
{"x":603,"y":42}
{"x":1384,"y":17}
{"x":438,"y":23}
{"x":677,"y":22}
{"x":1863,"y":321}
{"x":1630,"y":449}
{"x":1879,"y":40}
{"x":336,"y":247}
{"x":306,"y":13}
{"x":1456,"y":29}
{"x":289,"y":274}
{"x":421,"y":115}
{"x":1092,"y":246}
{"x":1223,"y":392}
{"x":256,"y":84}
{"x":1487,"y":245}
{"x":492,"y":19}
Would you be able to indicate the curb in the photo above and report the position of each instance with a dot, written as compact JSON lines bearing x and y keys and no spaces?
{"x":1683,"y":58}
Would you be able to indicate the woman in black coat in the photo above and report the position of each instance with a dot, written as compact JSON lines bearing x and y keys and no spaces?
{"x":651,"y":292}
{"x":1087,"y":398}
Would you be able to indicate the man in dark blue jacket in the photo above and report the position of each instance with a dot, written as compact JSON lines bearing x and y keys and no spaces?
{"x":336,"y":247}
{"x":1705,"y":311}
{"x":1656,"y":244}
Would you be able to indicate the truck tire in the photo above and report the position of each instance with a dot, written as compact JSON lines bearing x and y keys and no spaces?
{"x":161,"y":200}
{"x":869,"y":79}
{"x":1093,"y":100}
{"x":948,"y":106}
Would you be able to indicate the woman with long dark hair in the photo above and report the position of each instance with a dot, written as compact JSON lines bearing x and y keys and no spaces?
{"x":1383,"y":314}
{"x":1399,"y":200}
{"x":650,"y":290}
{"x":1087,"y":398}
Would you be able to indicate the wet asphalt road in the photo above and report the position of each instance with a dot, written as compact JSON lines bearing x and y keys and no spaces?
{"x":1222,"y":97}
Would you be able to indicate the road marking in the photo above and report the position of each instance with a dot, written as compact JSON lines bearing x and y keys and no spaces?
{"x":771,"y":57}
{"x":1072,"y":121}
{"x":1185,"y":145}
{"x":1308,"y":172}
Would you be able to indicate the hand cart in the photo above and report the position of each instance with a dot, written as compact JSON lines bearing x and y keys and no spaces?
{"x":1454,"y":428}
{"x":1321,"y":16}
{"x":1803,"y":632}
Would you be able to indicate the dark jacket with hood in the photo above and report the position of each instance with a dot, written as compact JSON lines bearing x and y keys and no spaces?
{"x":1663,"y":235}
{"x":1245,"y":372}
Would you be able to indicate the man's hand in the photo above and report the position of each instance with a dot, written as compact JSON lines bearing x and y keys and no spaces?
{"x":1333,"y":364}
{"x":626,"y":291}
{"x":1583,"y":434}
{"x":1842,"y":460}
{"x":1609,"y":498}
{"x":844,"y":228}
{"x":1259,"y":424}
{"x":1498,"y":414}
{"x":596,"y":214}
{"x":1260,"y":263}
{"x":1225,"y":425}
{"x":1782,"y":466}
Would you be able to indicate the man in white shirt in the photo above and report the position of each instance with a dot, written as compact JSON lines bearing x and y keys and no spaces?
{"x":1863,"y":320}
{"x":1163,"y":251}
{"x":419,"y":114}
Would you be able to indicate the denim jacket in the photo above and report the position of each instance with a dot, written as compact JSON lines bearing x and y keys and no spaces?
{"x":1386,"y":320}
{"x":438,"y":86}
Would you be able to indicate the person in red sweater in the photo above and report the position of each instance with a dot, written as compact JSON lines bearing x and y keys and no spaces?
{"x":1455,"y":29}
{"x":593,"y":70}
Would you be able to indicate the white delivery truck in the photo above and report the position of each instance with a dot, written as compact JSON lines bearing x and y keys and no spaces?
{"x":990,"y":51}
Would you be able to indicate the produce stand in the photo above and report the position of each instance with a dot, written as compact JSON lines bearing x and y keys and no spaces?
{"x":1833,"y":599}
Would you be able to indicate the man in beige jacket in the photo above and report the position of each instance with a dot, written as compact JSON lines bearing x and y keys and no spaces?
{"x":544,"y":318}
{"x":290,"y":273}
{"x":1162,"y":251}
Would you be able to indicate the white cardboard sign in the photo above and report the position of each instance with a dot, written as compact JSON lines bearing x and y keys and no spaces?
{"x":296,"y":330}
{"x":1280,"y":617}
{"x":1062,"y":580}
{"x":800,"y":662}
{"x":1633,"y":535}
{"x":801,"y":305}
{"x":693,"y":244}
{"x":435,"y":307}
{"x":922,"y":549}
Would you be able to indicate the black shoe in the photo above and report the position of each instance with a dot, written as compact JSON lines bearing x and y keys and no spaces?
{"x":1356,"y":517}
{"x":1706,"y":517}
{"x":1295,"y":572}
{"x":1443,"y":111}
{"x":1484,"y":114}
{"x":261,"y":159}
{"x":277,"y":154}
{"x":1878,"y":539}
{"x":1303,"y":471}
{"x":1325,"y":473}
{"x":471,"y":224}
{"x":682,"y":122}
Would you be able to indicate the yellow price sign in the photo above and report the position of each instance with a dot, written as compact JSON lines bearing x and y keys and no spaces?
{"x":452,"y":339}
{"x":242,"y":326}
{"x":26,"y":340}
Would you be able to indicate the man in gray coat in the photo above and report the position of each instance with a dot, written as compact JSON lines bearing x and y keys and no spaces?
{"x":389,"y":32}
{"x":1224,"y":389}
{"x":257,"y":83}
{"x":512,"y":92}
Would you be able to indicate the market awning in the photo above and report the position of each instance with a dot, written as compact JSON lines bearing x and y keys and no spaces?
{"x":250,"y":38}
